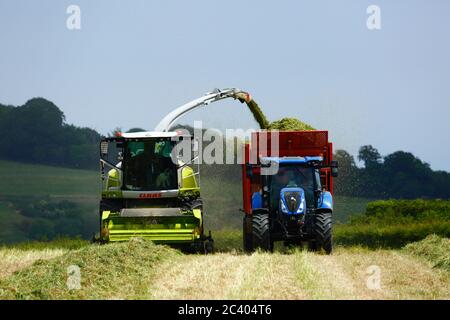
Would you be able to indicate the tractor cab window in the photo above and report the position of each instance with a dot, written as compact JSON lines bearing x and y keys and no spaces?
{"x":148,"y":165}
{"x":293,"y":176}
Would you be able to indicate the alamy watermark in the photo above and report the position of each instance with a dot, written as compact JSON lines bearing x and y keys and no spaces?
{"x":73,"y":277}
{"x":373,"y":21}
{"x":211,"y":146}
{"x":373,"y":281}
{"x":73,"y":21}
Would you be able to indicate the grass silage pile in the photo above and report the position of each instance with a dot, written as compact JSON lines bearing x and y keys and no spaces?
{"x":117,"y":270}
{"x":286,"y":124}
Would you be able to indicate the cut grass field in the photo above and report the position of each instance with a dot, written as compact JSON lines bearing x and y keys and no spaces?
{"x":300,"y":275}
{"x":116,"y":271}
{"x":434,"y":249}
{"x":142,"y":270}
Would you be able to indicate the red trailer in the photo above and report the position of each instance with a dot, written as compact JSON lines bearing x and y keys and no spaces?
{"x":299,"y":153}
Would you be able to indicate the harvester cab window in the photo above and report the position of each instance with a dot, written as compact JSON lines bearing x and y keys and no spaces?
{"x":149,"y":166}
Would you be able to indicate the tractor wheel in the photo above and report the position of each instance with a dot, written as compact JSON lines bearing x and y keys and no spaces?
{"x":323,"y":233}
{"x":209,"y":246}
{"x":261,"y":232}
{"x":312,"y":245}
{"x":247,"y":234}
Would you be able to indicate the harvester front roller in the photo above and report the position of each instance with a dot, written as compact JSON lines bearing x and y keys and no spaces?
{"x":160,"y":225}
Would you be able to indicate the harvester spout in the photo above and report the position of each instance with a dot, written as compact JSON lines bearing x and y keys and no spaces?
{"x":166,"y":123}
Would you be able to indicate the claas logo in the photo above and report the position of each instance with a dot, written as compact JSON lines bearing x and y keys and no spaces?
{"x":149,"y":195}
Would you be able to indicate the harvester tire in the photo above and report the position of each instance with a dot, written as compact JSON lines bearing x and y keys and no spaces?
{"x":209,"y":246}
{"x":261,"y":232}
{"x":247,"y":234}
{"x":323,"y":233}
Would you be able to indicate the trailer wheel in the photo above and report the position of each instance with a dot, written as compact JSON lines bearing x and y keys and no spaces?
{"x":261,"y":232}
{"x":247,"y":234}
{"x":323,"y":233}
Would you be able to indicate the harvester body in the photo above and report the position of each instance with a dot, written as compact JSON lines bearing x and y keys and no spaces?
{"x":148,"y":192}
{"x":287,"y":189}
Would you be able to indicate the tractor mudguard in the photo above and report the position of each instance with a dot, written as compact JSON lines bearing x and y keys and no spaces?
{"x":257,"y":202}
{"x":325,"y":202}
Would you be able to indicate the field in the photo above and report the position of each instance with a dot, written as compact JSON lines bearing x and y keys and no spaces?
{"x":21,"y":184}
{"x":142,"y":270}
{"x":381,"y":252}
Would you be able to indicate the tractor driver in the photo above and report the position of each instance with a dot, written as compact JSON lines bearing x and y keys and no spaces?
{"x":279,"y":181}
{"x":292,"y":177}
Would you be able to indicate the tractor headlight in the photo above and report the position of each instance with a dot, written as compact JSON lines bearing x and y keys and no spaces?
{"x":301,"y":207}
{"x":283,"y":206}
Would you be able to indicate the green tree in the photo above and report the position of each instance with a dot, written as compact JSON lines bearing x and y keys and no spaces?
{"x":370,"y":156}
{"x":40,"y":135}
{"x":347,"y":182}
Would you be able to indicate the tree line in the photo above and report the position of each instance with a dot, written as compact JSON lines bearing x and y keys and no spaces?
{"x":397,"y":175}
{"x":37,"y":133}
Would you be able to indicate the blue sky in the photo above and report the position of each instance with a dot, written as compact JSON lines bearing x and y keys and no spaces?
{"x":134,"y":61}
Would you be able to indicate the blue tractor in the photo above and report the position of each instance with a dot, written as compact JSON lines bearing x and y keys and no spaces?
{"x":292,"y":205}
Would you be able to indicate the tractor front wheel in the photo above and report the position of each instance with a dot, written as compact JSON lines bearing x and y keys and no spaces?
{"x":323,"y":233}
{"x":261,"y":232}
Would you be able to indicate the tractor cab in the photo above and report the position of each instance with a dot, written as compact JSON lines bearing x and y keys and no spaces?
{"x":291,"y":189}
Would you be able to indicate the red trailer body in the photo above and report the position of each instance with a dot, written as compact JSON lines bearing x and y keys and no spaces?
{"x":291,"y":143}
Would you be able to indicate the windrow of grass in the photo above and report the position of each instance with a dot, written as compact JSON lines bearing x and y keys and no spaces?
{"x":395,"y":223}
{"x":119,"y":270}
{"x":433,"y":248}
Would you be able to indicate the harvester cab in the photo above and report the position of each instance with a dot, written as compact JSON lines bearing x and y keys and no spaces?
{"x":149,"y":191}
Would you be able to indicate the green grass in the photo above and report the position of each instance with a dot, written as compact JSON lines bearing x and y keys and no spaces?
{"x":19,"y":179}
{"x":24,"y":183}
{"x":10,"y":219}
{"x":222,"y":198}
{"x":347,"y":207}
{"x":395,"y":223}
{"x":382,"y":235}
{"x":227,"y":240}
{"x":59,"y":243}
{"x":120,"y":270}
{"x":433,"y":248}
